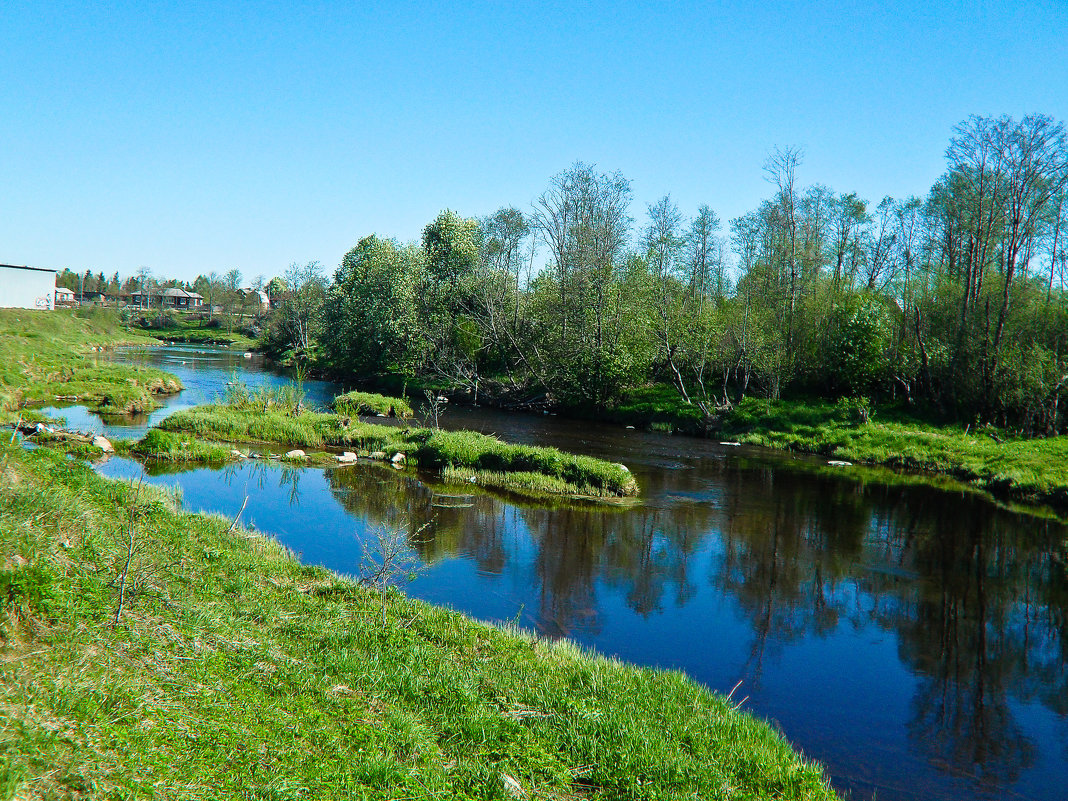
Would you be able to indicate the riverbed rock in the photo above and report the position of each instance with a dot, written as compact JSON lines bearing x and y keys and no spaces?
{"x":839,"y":463}
{"x":296,"y":453}
{"x":398,"y":458}
{"x":102,"y":442}
{"x":348,"y":457}
{"x":731,"y":444}
{"x":237,"y":454}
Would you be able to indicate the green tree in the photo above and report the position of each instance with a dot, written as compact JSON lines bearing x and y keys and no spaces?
{"x":370,"y":309}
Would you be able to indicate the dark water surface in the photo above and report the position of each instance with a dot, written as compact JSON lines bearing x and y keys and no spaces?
{"x":909,"y":637}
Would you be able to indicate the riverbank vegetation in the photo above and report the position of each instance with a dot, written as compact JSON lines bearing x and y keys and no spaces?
{"x":455,"y":455}
{"x":953,"y":304}
{"x":148,"y":651}
{"x":372,"y":404}
{"x":1017,"y":468}
{"x":173,"y":327}
{"x":49,"y":356}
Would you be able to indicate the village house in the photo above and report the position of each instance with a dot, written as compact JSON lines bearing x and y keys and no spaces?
{"x":64,"y":296}
{"x":175,"y":298}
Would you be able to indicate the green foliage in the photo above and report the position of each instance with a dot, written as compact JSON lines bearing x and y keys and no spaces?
{"x":481,"y":452}
{"x":288,"y":398}
{"x":1022,"y":469}
{"x":452,"y":244}
{"x":370,"y":309}
{"x":857,"y":347}
{"x":25,"y":589}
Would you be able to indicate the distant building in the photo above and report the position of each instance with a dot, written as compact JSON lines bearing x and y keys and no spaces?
{"x":136,"y":298}
{"x":64,"y":297}
{"x":258,"y":296}
{"x":175,"y":298}
{"x":27,"y":287}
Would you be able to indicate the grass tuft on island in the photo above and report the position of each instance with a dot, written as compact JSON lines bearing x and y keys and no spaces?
{"x":165,"y":446}
{"x":1020,"y":469}
{"x":47,"y":356}
{"x":497,"y":464}
{"x":149,"y":652}
{"x":372,"y":404}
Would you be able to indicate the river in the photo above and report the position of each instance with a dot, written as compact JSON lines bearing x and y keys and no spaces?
{"x":909,"y":635}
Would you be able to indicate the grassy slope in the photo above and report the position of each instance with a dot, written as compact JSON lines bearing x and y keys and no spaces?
{"x":457,"y":455}
{"x":45,"y":354}
{"x":234,"y":672}
{"x":181,"y":329}
{"x":1034,"y":469}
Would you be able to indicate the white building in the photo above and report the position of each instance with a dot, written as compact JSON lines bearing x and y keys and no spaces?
{"x":257,"y":296}
{"x":27,"y":287}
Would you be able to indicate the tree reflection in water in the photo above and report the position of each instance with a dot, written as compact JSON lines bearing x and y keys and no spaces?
{"x":975,"y":596}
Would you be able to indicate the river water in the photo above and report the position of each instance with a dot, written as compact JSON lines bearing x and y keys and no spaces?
{"x":909,"y":635}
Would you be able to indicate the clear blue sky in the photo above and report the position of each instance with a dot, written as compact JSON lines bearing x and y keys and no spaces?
{"x":191,"y":137}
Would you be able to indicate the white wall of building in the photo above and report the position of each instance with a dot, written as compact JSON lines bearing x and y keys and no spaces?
{"x":26,"y":287}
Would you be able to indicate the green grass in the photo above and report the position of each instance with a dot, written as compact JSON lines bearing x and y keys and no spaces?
{"x":658,"y":407}
{"x":234,"y":672}
{"x":371,"y":403}
{"x":492,"y":458}
{"x":179,"y":328}
{"x":169,"y":447}
{"x":46,"y":355}
{"x":511,"y":465}
{"x":1022,"y":469}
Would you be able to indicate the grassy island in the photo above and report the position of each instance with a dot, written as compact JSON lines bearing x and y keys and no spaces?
{"x":458,"y":456}
{"x":147,"y":652}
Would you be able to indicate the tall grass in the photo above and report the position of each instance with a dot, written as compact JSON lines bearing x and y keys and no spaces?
{"x":169,"y":447}
{"x":288,"y":398}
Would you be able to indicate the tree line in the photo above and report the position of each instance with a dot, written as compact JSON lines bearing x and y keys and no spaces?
{"x":953,"y":303}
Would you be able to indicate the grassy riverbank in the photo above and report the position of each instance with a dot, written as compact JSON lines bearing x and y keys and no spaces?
{"x":51,"y":355}
{"x":459,"y":456}
{"x":1022,"y":469}
{"x":232,"y":671}
{"x":175,"y":327}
